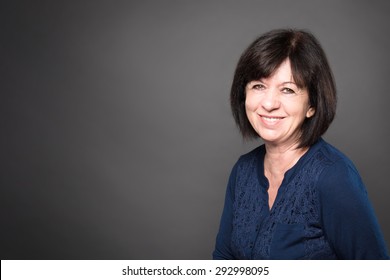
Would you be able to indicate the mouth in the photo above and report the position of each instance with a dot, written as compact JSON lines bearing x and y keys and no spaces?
{"x":271,"y":120}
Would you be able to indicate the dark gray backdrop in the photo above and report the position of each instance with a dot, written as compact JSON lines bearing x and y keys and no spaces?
{"x":116,"y":133}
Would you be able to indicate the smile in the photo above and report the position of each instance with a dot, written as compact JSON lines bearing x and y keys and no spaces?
{"x":270,"y":120}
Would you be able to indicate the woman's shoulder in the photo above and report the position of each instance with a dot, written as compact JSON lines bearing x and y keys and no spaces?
{"x":249,"y":162}
{"x":256,"y":153}
{"x":338,"y":170}
{"x":251,"y":157}
{"x":333,"y":157}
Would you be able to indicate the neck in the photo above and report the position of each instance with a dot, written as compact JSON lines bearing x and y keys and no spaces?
{"x":279,"y":159}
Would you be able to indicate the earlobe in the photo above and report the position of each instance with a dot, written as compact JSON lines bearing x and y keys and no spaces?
{"x":310,"y":112}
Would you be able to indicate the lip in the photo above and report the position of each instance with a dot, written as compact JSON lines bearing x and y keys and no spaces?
{"x":271,"y":120}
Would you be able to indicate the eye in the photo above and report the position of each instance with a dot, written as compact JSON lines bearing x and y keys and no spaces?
{"x":288,"y":90}
{"x":258,"y":86}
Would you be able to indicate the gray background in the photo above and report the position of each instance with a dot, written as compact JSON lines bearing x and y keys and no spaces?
{"x":116,"y":133}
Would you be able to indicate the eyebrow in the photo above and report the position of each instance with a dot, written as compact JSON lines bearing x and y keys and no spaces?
{"x":262,"y":81}
{"x":289,"y":83}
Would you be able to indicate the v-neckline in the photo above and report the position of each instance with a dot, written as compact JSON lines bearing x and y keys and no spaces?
{"x":288,"y":175}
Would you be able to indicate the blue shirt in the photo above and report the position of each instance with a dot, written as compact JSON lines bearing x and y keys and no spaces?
{"x":321,"y":211}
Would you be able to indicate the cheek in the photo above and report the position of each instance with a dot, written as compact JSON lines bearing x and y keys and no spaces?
{"x":250,"y":109}
{"x":250,"y":104}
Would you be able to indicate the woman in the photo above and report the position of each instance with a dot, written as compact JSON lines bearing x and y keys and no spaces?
{"x":296,"y":196}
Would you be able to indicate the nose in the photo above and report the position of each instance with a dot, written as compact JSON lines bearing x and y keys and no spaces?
{"x":271,"y":100}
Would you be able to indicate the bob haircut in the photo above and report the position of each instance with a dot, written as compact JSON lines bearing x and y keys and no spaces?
{"x":310,"y":69}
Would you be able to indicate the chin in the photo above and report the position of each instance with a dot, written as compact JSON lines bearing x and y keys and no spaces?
{"x":269,"y":138}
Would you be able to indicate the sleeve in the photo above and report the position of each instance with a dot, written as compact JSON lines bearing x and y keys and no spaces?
{"x":223,"y":249}
{"x":348,"y":218}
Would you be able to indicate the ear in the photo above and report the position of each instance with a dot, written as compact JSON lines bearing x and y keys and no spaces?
{"x":310,"y":112}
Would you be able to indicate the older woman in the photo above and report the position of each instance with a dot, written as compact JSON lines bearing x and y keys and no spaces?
{"x":296,"y":196}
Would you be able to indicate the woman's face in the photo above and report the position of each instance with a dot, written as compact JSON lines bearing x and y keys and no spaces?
{"x":276,"y":107}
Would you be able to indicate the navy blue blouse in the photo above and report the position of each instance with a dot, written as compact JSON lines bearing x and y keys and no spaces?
{"x":321,"y":211}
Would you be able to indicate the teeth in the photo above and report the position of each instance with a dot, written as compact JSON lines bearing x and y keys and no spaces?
{"x":271,"y":119}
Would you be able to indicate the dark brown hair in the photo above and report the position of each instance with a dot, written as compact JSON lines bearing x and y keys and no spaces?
{"x":309,"y":67}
